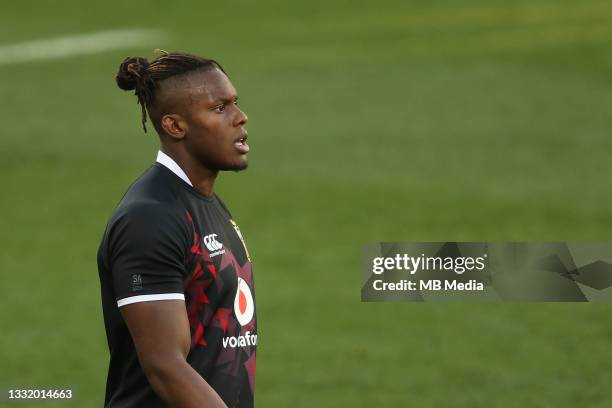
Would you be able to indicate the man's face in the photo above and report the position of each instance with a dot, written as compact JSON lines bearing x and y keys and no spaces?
{"x":216,"y":135}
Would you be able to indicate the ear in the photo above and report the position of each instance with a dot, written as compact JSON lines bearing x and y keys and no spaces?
{"x":174,"y":125}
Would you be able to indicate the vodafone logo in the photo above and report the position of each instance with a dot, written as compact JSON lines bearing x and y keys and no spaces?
{"x":244,"y":306}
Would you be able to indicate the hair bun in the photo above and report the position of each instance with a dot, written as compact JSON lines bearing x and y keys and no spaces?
{"x":131,"y":72}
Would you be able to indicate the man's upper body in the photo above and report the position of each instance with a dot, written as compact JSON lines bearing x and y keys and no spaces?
{"x":175,"y":274}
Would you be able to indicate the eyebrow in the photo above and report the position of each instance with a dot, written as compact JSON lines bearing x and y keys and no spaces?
{"x":217,"y":101}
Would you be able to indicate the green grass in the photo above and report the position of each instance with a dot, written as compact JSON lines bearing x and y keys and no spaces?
{"x":408,"y":121}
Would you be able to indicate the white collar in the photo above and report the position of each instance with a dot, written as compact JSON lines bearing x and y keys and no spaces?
{"x":164,"y":159}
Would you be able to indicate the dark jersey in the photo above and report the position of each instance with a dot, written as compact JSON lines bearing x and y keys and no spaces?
{"x":165,"y":240}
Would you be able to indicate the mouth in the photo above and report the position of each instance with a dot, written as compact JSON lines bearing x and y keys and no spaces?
{"x":241,"y":145}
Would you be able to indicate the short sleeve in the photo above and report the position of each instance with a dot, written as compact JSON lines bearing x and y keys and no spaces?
{"x":146,"y":254}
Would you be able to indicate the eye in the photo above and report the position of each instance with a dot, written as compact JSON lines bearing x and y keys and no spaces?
{"x":220,"y":108}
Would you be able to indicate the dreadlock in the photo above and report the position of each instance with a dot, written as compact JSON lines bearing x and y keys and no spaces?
{"x":136,"y":73}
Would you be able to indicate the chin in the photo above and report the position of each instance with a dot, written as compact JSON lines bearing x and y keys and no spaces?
{"x":236,"y":166}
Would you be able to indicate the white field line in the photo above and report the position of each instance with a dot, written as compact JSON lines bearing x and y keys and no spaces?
{"x":79,"y":44}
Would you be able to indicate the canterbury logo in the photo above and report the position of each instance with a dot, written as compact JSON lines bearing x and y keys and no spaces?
{"x":211,"y":242}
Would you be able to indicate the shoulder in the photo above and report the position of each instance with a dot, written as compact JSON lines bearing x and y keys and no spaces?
{"x":149,"y":218}
{"x":156,"y":185}
{"x":151,"y":215}
{"x":147,"y":228}
{"x":155,"y":195}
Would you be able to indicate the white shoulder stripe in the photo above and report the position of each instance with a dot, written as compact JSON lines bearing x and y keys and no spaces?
{"x":150,"y":298}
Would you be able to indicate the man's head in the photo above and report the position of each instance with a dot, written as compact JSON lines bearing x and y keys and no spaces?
{"x":192,"y":105}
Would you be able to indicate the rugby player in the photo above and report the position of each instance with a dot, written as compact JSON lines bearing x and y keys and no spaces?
{"x":175,"y":274}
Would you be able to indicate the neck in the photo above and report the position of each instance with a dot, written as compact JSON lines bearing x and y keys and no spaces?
{"x":202,"y":178}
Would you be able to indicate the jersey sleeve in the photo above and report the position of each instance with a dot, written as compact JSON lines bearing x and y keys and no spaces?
{"x":147,"y":250}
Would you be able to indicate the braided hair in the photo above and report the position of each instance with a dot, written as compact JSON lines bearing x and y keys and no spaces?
{"x":137,"y":73}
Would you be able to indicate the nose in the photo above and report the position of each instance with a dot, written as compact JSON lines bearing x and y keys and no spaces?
{"x":241,"y":118}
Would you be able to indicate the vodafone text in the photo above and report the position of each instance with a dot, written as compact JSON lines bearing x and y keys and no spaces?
{"x":428,"y":263}
{"x":240,"y":341}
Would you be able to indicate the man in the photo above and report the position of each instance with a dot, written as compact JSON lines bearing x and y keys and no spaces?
{"x":175,"y":274}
